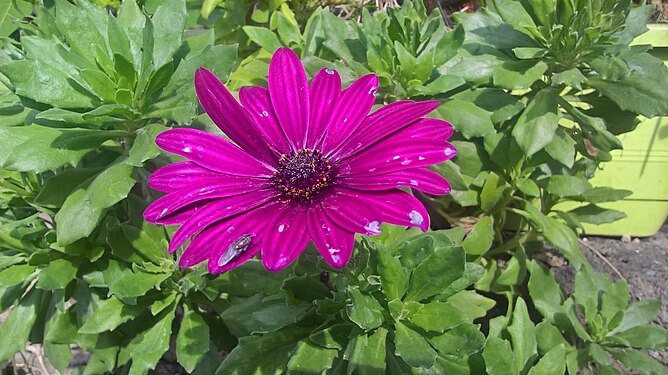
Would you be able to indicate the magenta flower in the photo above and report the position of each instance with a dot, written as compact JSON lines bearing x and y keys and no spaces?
{"x":308,"y":163}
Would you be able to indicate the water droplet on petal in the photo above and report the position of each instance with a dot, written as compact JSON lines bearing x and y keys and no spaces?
{"x":416,"y":218}
{"x":414,"y":183}
{"x":396,"y":157}
{"x":264,"y":114}
{"x":329,"y":71}
{"x":405,"y":162}
{"x":282,"y":228}
{"x":187,"y":149}
{"x":373,"y":90}
{"x":163,"y":212}
{"x":448,"y":151}
{"x":373,"y":228}
{"x":230,"y":229}
{"x":345,"y":120}
{"x":421,"y":158}
{"x":372,"y":170}
{"x":334,"y":251}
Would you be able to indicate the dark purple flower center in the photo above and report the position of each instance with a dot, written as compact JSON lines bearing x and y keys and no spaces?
{"x":302,"y":174}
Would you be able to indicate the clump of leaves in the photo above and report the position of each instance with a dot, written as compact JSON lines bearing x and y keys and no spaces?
{"x":534,"y":129}
{"x":399,"y":306}
{"x":596,"y":324}
{"x":78,"y":263}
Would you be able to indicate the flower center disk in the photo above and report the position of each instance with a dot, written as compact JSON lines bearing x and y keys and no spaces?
{"x":302,"y":174}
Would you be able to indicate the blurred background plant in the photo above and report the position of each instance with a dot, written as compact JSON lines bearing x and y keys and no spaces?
{"x":539,"y":92}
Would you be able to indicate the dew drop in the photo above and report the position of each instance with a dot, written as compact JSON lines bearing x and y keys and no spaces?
{"x":405,"y":162}
{"x":329,"y":71}
{"x":396,"y":157}
{"x":373,"y":228}
{"x":282,"y":228}
{"x":345,"y":120}
{"x":200,"y":148}
{"x":187,"y":149}
{"x":448,"y":151}
{"x":264,"y":114}
{"x":416,"y":218}
{"x":230,"y":229}
{"x":163,"y":212}
{"x":414,"y":183}
{"x":421,"y":157}
{"x":372,"y":170}
{"x":334,"y":251}
{"x":373,"y":90}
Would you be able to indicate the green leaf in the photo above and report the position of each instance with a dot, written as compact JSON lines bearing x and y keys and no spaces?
{"x":642,"y":91}
{"x":412,"y":347}
{"x":438,"y":316}
{"x":544,"y":290}
{"x":596,"y":215}
{"x":16,"y":274}
{"x":502,"y":105}
{"x":639,"y":361}
{"x":333,"y":337}
{"x":16,"y":328}
{"x":639,"y":313}
{"x":368,"y":355}
{"x":108,"y":314}
{"x":147,"y":347}
{"x":543,"y":11}
{"x":572,"y":77}
{"x":259,"y":314}
{"x":492,"y":192}
{"x":645,"y":337}
{"x":528,"y":187}
{"x":10,"y":13}
{"x":310,"y":358}
{"x":364,"y":310}
{"x":553,"y":362}
{"x":473,"y":304}
{"x":481,"y":236}
{"x":462,"y":341}
{"x":84,"y":208}
{"x":467,"y":118}
{"x":562,"y":148}
{"x":144,"y":147}
{"x":537,"y":125}
{"x":393,"y":276}
{"x":192,"y":342}
{"x":263,"y":37}
{"x":59,"y":187}
{"x":57,"y":274}
{"x":604,"y":194}
{"x":168,"y":24}
{"x":436,"y":272}
{"x":522,"y":335}
{"x":517,"y":75}
{"x":39,"y":148}
{"x":513,"y":13}
{"x":499,"y":357}
{"x":567,"y":186}
{"x":270,"y":352}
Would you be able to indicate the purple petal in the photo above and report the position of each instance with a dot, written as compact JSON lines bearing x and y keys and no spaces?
{"x":164,"y":206}
{"x":258,"y":104}
{"x":384,"y":122}
{"x":350,"y":213}
{"x":417,"y":178}
{"x":334,"y":243}
{"x":285,"y":237}
{"x":396,"y":154}
{"x":212,"y":152}
{"x":325,"y":93}
{"x":396,"y":206}
{"x":250,"y":223}
{"x":230,"y":117}
{"x":288,"y":88}
{"x":175,"y":176}
{"x":219,"y":210}
{"x":183,"y":214}
{"x":353,"y":106}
